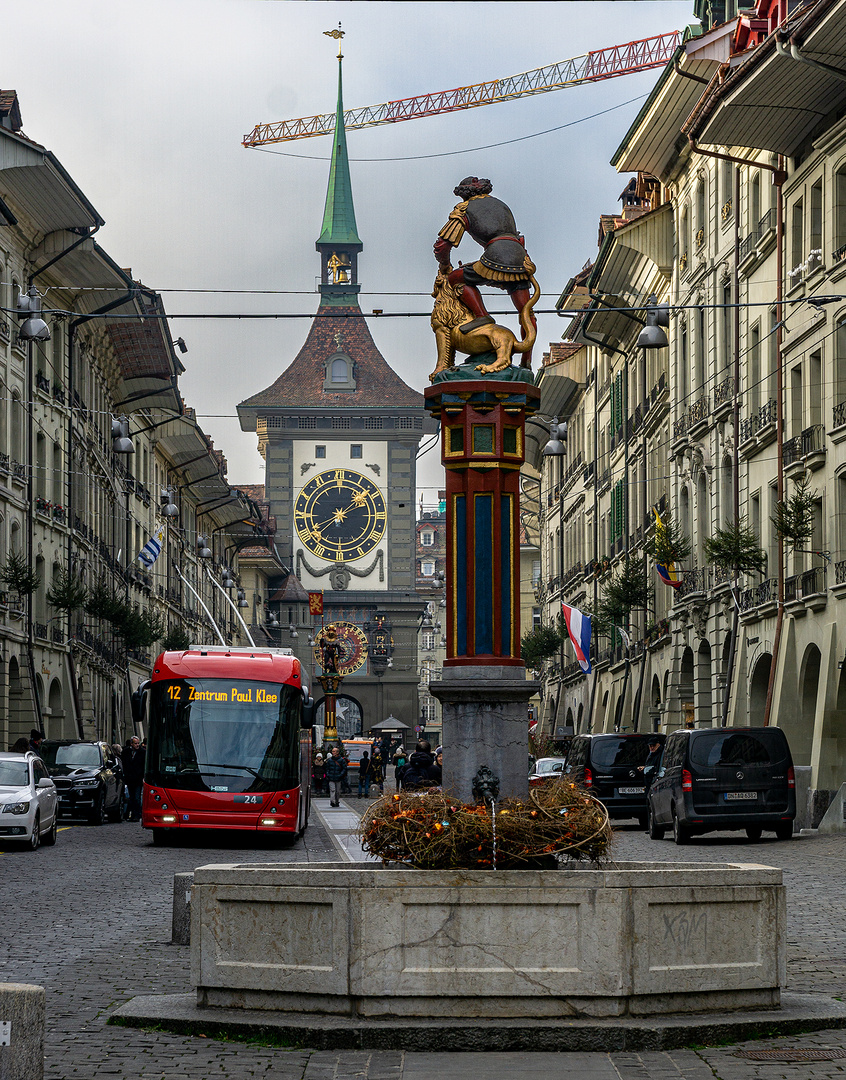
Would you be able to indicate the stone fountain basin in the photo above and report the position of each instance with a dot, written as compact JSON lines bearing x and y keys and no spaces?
{"x":633,"y":939}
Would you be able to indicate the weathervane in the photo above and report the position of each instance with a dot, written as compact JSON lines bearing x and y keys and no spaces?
{"x":338,"y":35}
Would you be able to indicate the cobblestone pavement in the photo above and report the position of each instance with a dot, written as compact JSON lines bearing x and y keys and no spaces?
{"x":90,"y":921}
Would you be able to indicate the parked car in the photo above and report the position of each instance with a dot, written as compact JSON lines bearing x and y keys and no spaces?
{"x":88,"y":777}
{"x":28,"y":800}
{"x":546,"y":768}
{"x":713,"y":779}
{"x":611,"y":767}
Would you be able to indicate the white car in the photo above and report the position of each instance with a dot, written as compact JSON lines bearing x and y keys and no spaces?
{"x":28,"y":801}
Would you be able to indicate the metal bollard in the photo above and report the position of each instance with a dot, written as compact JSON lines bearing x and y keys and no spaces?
{"x":180,"y":933}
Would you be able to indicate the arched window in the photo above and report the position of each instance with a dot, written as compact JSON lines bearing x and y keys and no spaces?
{"x":339,"y":372}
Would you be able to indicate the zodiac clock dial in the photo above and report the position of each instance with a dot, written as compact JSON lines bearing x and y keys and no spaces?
{"x":340,"y":515}
{"x":352,"y":647}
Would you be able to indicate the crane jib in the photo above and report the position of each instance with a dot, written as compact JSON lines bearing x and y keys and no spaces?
{"x":607,"y":63}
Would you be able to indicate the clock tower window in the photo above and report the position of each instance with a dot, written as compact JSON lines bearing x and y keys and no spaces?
{"x":339,"y":373}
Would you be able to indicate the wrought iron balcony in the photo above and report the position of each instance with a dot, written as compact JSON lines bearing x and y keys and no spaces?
{"x":698,"y":411}
{"x":694,"y":581}
{"x":758,"y":595}
{"x":724,"y":393}
{"x":811,"y":440}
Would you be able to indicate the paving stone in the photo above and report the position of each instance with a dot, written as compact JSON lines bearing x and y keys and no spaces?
{"x":90,"y":920}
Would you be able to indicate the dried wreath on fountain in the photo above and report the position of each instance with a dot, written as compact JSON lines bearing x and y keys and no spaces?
{"x":432,"y":831}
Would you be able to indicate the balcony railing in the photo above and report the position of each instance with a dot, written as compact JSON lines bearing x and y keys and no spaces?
{"x":695,"y":581}
{"x":758,"y":595}
{"x":698,"y":411}
{"x":750,"y":243}
{"x":680,"y":427}
{"x":839,"y":416}
{"x":756,"y":423}
{"x":724,"y":392}
{"x":807,"y":583}
{"x":811,"y":440}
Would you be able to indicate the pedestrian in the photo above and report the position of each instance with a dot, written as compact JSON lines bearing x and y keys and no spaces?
{"x":436,"y":772}
{"x":336,"y":774}
{"x":21,"y":746}
{"x":400,"y":759}
{"x":364,"y":775}
{"x":345,"y":783}
{"x":419,"y":772}
{"x":650,"y":766}
{"x":133,"y":772}
{"x":377,"y":771}
{"x":318,"y":773}
{"x":35,"y":740}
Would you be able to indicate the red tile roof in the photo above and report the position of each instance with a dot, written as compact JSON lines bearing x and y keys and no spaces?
{"x":559,"y":351}
{"x":301,"y":384}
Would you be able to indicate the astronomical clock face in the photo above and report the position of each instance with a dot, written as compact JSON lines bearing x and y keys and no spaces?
{"x":352,"y":647}
{"x":340,"y":515}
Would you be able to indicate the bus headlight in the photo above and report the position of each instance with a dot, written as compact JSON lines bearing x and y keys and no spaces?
{"x":268,"y":821}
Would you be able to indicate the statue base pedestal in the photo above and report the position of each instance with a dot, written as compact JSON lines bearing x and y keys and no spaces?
{"x":485,"y":722}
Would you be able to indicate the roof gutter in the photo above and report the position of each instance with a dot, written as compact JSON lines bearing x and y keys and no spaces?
{"x":786,"y":46}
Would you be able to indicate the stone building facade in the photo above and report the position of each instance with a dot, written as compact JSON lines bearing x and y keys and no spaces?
{"x":739,"y":225}
{"x":70,"y":507}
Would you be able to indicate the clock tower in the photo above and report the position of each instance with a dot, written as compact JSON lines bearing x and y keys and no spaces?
{"x":339,"y":432}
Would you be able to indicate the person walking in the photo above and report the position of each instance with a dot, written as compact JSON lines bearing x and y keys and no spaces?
{"x":364,"y":775}
{"x":400,"y":759}
{"x":318,"y":773}
{"x":336,"y":774}
{"x":377,"y":771}
{"x":133,"y":761}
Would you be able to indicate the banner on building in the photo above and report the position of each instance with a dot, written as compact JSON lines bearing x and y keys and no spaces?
{"x":315,"y":603}
{"x":153,"y":548}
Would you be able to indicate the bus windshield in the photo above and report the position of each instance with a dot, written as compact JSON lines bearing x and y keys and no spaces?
{"x":224,"y":735}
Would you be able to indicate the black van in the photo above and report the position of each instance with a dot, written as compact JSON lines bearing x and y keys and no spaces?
{"x":611,"y":767}
{"x":714,"y":779}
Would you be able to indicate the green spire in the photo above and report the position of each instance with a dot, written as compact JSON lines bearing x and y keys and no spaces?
{"x":339,"y":213}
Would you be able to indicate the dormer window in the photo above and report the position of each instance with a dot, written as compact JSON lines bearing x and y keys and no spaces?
{"x":339,"y":373}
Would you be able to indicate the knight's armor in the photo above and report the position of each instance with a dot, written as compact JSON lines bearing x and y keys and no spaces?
{"x":489,"y":221}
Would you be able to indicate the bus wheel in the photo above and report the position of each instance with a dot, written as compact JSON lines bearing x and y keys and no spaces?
{"x":161,"y":837}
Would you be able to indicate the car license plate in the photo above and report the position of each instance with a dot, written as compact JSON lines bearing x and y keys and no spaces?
{"x":741,"y":796}
{"x":631,"y":790}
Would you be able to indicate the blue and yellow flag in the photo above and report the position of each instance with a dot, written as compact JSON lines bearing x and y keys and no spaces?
{"x":666,"y":573}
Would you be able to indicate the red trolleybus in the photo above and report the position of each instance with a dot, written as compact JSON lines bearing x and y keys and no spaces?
{"x":228,"y":742}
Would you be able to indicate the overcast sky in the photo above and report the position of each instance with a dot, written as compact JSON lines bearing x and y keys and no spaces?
{"x":146,"y":105}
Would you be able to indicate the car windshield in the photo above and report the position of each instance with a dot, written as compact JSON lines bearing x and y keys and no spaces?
{"x":625,"y":750}
{"x":77,"y":754}
{"x":14,"y":774}
{"x":549,"y":765}
{"x":738,"y":748}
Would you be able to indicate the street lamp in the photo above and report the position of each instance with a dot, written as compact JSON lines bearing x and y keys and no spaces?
{"x":169,"y":507}
{"x":203,"y":549}
{"x":121,"y":442}
{"x":657,"y":315}
{"x":34,"y":328}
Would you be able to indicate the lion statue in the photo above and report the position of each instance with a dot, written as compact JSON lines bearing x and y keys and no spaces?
{"x":450,"y":315}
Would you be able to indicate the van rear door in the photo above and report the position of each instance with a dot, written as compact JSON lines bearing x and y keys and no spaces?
{"x":739,"y":771}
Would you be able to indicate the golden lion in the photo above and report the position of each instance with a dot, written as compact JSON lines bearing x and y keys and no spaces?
{"x":450,"y":314}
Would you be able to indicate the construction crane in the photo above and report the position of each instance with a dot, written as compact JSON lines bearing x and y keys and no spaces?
{"x":607,"y":63}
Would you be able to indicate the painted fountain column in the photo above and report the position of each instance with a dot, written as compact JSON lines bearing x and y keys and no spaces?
{"x":483,"y":688}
